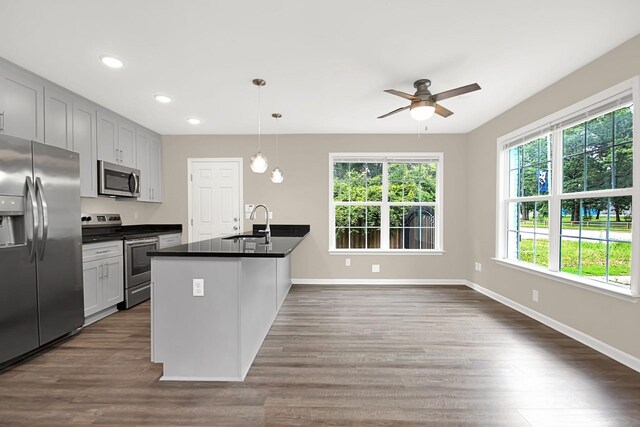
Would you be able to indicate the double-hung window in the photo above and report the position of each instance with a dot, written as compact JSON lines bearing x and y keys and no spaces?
{"x":385,"y":203}
{"x":566,"y":188}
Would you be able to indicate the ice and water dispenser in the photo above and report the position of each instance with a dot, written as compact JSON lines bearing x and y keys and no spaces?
{"x":12,"y":219}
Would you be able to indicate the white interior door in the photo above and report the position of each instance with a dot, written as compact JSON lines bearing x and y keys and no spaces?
{"x":215,"y":198}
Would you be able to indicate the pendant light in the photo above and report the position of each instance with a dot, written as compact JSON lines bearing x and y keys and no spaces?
{"x":276,"y":175}
{"x":258,"y":162}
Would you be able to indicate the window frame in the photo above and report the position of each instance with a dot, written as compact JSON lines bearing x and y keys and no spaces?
{"x":385,"y":159}
{"x":606,"y":101}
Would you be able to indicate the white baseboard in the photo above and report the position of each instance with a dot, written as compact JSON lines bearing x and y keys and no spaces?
{"x":604,"y":348}
{"x":179,"y":378}
{"x":380,"y":282}
{"x":99,"y":315}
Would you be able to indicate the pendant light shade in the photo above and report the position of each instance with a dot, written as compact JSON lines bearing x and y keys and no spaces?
{"x":259,"y":162}
{"x":277,"y":176}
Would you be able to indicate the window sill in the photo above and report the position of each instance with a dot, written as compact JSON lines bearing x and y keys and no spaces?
{"x":582,"y":283}
{"x":384,"y":252}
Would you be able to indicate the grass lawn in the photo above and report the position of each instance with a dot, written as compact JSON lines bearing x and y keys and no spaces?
{"x":593,"y":256}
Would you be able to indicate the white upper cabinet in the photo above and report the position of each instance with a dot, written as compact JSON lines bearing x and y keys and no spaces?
{"x":155,"y":169}
{"x":21,"y":104}
{"x":108,"y":136}
{"x":127,"y":143}
{"x":116,"y":139}
{"x":142,"y":158}
{"x":58,"y":107}
{"x":84,"y":143}
{"x":149,"y":161}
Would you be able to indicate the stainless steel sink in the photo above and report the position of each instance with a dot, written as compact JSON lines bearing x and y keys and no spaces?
{"x":244,"y":236}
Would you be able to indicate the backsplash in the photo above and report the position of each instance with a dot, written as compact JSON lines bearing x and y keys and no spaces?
{"x":131,"y":211}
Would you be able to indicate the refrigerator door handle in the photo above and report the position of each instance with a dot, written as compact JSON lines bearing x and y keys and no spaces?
{"x":35,"y":221}
{"x":42,"y":201}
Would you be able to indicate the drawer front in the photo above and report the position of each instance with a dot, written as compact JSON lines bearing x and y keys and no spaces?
{"x":169,"y":240}
{"x":96,"y":251}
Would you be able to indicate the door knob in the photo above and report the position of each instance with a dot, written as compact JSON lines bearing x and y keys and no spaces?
{"x":235,"y":227}
{"x":235,"y":219}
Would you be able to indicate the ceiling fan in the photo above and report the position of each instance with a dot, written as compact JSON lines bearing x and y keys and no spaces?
{"x":423,"y":103}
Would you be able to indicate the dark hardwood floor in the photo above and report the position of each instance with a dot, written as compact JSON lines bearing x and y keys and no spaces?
{"x":339,"y":356}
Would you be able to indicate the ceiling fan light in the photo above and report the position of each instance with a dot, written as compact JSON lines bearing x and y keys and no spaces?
{"x":277,"y":176}
{"x":258,"y":163}
{"x":422,"y":110}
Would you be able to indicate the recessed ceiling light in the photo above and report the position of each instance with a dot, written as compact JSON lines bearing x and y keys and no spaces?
{"x":163,"y":99}
{"x":193,"y":121}
{"x":111,"y":61}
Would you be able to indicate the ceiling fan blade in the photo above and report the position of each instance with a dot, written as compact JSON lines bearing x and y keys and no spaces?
{"x":441,"y":111}
{"x":455,"y":92}
{"x":394,"y":111}
{"x":402,"y":94}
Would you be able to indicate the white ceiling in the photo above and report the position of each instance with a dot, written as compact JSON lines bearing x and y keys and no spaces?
{"x":326,"y":63}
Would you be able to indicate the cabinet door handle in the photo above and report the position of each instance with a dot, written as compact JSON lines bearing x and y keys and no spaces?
{"x":101,"y":272}
{"x":2,"y":122}
{"x":102,"y":252}
{"x":116,"y":156}
{"x":106,"y":269}
{"x":121,"y":156}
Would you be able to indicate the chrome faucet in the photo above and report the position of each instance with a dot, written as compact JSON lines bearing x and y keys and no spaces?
{"x":267,"y":229}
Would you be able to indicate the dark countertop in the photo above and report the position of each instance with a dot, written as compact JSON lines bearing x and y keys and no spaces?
{"x":280,"y":247}
{"x":106,"y":234}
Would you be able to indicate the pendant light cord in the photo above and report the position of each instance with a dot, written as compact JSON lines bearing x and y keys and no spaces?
{"x":277,"y":142}
{"x":259,"y":115}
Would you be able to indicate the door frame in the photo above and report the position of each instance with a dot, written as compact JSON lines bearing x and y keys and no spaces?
{"x":190,"y":162}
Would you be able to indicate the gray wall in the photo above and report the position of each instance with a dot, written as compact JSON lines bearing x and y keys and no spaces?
{"x":603,"y":317}
{"x":303,"y":196}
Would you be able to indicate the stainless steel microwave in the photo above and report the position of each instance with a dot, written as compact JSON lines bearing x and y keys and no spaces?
{"x":117,"y":180}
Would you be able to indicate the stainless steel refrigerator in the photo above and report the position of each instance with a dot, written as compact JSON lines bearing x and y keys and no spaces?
{"x":41,"y":296}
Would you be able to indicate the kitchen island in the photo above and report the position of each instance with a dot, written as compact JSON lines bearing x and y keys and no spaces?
{"x":213,"y":302}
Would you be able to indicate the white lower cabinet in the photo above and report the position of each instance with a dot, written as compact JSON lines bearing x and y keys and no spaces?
{"x":103,"y":279}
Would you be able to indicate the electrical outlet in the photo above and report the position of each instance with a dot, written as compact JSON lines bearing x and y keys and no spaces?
{"x":375,"y":268}
{"x":198,"y":287}
{"x":347,"y":262}
{"x":478,"y":266}
{"x":270,"y":215}
{"x":248,"y":208}
{"x":534,"y":295}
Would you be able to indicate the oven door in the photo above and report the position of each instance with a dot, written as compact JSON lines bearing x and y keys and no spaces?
{"x":137,"y":263}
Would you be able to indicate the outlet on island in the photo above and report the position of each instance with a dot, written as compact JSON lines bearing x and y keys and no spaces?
{"x":198,"y":287}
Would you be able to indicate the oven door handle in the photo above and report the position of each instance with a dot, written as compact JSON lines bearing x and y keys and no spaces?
{"x":133,"y":243}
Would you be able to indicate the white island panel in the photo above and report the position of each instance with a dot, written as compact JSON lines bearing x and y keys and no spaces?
{"x":214,"y":337}
{"x":197,"y":338}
